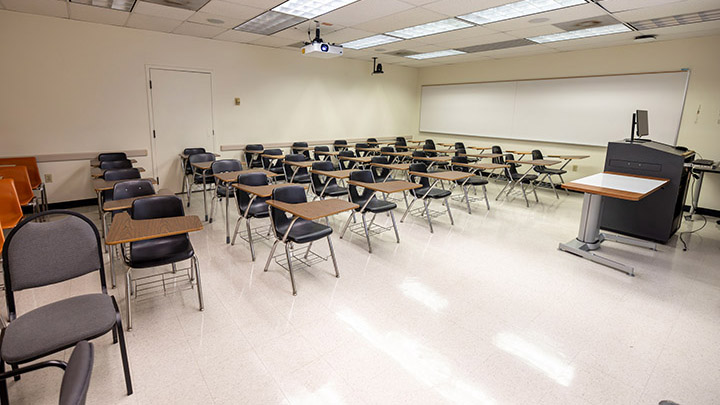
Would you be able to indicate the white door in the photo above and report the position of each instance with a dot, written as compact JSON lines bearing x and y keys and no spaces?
{"x":181,"y":107}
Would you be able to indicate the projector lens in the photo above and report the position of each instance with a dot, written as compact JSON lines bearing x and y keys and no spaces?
{"x":324,"y":47}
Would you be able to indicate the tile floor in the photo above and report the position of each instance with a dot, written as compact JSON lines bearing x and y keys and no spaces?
{"x":485,"y":312}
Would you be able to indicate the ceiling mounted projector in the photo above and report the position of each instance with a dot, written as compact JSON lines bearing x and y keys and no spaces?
{"x":319,"y":49}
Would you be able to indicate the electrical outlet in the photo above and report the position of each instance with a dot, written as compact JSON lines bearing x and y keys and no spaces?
{"x":574,"y":168}
{"x":48,"y":178}
{"x":237,"y":100}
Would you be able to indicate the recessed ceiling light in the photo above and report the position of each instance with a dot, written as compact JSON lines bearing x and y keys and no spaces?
{"x":269,"y":23}
{"x":436,"y":54}
{"x":311,"y":8}
{"x":436,"y":27}
{"x":589,"y":32}
{"x":193,"y":5}
{"x":122,"y":5}
{"x":682,"y":19}
{"x":517,"y":9}
{"x":374,"y":40}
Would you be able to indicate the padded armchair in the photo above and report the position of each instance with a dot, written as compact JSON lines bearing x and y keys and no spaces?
{"x":38,"y":254}
{"x":249,"y":205}
{"x":295,"y":230}
{"x":159,"y":251}
{"x":426,"y":193}
{"x":221,"y":190}
{"x":116,"y":164}
{"x":296,"y":174}
{"x":368,"y":202}
{"x":329,"y":187}
{"x":548,"y":172}
{"x":253,"y":159}
{"x":103,"y":157}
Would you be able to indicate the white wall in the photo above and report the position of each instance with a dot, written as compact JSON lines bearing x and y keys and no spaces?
{"x":699,"y":132}
{"x":71,"y":86}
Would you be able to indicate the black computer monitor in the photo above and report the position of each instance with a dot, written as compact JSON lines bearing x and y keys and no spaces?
{"x":642,"y":123}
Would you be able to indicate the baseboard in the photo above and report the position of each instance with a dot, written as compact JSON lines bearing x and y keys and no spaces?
{"x":704,"y":211}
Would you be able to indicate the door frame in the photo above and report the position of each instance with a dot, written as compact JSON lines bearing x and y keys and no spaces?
{"x":151,"y":117}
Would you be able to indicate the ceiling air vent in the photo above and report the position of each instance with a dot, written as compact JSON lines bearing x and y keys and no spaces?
{"x":586,"y":23}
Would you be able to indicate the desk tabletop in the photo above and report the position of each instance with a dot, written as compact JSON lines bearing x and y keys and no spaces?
{"x":126,"y":203}
{"x":393,"y":166}
{"x":414,"y":141}
{"x":313,"y":210}
{"x":336,"y":174}
{"x":124,"y":229}
{"x":519,"y":152}
{"x":433,"y":159}
{"x":374,"y":142}
{"x":203,"y":165}
{"x":229,"y":177}
{"x":444,"y":144}
{"x":617,"y":185}
{"x":482,"y":155}
{"x":406,"y":154}
{"x":443,"y":151}
{"x":387,"y":187}
{"x":535,"y":162}
{"x":96,"y":163}
{"x":446,"y":175}
{"x":479,"y":147}
{"x":570,"y":157}
{"x":264,"y":191}
{"x":184,"y":156}
{"x":98,"y":172}
{"x":327,"y":152}
{"x":481,"y":166}
{"x":368,"y":149}
{"x":359,"y":159}
{"x":102,"y":184}
{"x":265,"y":155}
{"x":301,"y":163}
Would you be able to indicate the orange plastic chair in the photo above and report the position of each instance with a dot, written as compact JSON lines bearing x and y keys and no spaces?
{"x":10,"y":209}
{"x":30,"y":162}
{"x":22,"y":183}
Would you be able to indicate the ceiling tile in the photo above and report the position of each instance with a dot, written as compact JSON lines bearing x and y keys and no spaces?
{"x":518,"y":52}
{"x":418,"y":2}
{"x":231,"y":10}
{"x":454,"y":8}
{"x":623,"y":5}
{"x":667,"y":10}
{"x":238,"y":36}
{"x":681,"y":29}
{"x":227,"y":21}
{"x":346,"y":35}
{"x":553,"y":17}
{"x":193,"y":5}
{"x":363,"y":11}
{"x":53,"y":8}
{"x":152,"y":23}
{"x":262,"y":4}
{"x":97,"y":14}
{"x":198,"y":30}
{"x":404,"y":19}
{"x":157,"y":10}
{"x":534,"y":31}
{"x":300,"y":31}
{"x":273,"y":41}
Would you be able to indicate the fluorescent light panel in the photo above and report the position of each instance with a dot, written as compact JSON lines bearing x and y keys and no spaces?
{"x":682,"y":19}
{"x":436,"y":27}
{"x":436,"y":54}
{"x":517,"y":9}
{"x":368,"y":42}
{"x":577,"y":34}
{"x":122,"y":5}
{"x":269,"y":23}
{"x":310,"y":8}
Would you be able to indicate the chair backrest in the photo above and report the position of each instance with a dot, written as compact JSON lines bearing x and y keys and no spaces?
{"x":419,"y":153}
{"x":2,"y":238}
{"x":459,"y":145}
{"x":133,"y":188}
{"x":365,"y":176}
{"x":201,"y":157}
{"x":498,"y":160}
{"x":460,"y":151}
{"x":318,"y":184}
{"x":249,"y":179}
{"x":361,"y":145}
{"x":226,"y":165}
{"x":289,"y":169}
{"x":22,"y":182}
{"x":512,"y":169}
{"x":380,"y":172}
{"x":112,"y":156}
{"x":429,"y":150}
{"x":116,"y":164}
{"x":121,"y":174}
{"x":32,"y":167}
{"x":430,"y":144}
{"x":321,"y":149}
{"x":37,"y":254}
{"x":422,"y":168}
{"x":192,"y":151}
{"x":372,"y":140}
{"x":266,"y":161}
{"x":401,"y":144}
{"x":346,"y":164}
{"x":536,"y":154}
{"x":159,"y":206}
{"x":249,"y":157}
{"x":289,"y":194}
{"x":10,"y":209}
{"x":76,"y":380}
{"x":460,"y":159}
{"x":339,"y":144}
{"x":300,"y":145}
{"x":387,"y":149}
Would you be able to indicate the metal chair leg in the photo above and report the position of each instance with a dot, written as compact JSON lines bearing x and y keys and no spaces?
{"x":196,"y":261}
{"x":427,"y":215}
{"x":447,"y":206}
{"x":535,"y":193}
{"x":563,"y":181}
{"x":407,"y":211}
{"x":466,"y":197}
{"x":487,"y":202}
{"x":123,"y":348}
{"x":522,"y":187}
{"x":397,"y":235}
{"x":347,"y":223}
{"x":367,"y":235}
{"x":553,"y":187}
{"x":272,"y":252}
{"x":128,"y":294}
{"x":237,"y":227}
{"x":289,"y":261}
{"x":332,"y":254}
{"x":250,"y":240}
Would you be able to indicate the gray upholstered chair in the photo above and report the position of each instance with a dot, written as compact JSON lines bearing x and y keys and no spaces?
{"x":38,"y":254}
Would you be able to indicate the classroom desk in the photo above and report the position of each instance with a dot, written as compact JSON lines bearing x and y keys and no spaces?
{"x":96,"y":172}
{"x":414,"y":141}
{"x":297,"y":165}
{"x":401,"y":167}
{"x":311,"y":211}
{"x":483,"y":155}
{"x":613,"y":185}
{"x":335,"y":174}
{"x":397,"y":155}
{"x":302,"y":148}
{"x":328,"y":154}
{"x":100,"y":185}
{"x":96,"y":163}
{"x":360,"y":160}
{"x":184,"y":156}
{"x":368,"y":151}
{"x":433,"y":160}
{"x":449,"y":145}
{"x":255,"y":155}
{"x":272,"y":159}
{"x":227,"y":178}
{"x":568,"y":158}
{"x":203,"y":167}
{"x":519,"y":152}
{"x":396,"y":186}
{"x":437,"y":176}
{"x":532,"y":163}
{"x":442,"y":151}
{"x":479,"y":147}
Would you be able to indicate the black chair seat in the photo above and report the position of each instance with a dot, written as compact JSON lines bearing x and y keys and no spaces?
{"x":529,"y":177}
{"x":304,"y":231}
{"x":473,"y":181}
{"x":547,"y":170}
{"x":301,"y":178}
{"x":209,"y":179}
{"x":434,"y":193}
{"x":333,"y":190}
{"x":258,"y":209}
{"x":160,"y":251}
{"x":222,"y":191}
{"x":57,"y":325}
{"x":376,"y":205}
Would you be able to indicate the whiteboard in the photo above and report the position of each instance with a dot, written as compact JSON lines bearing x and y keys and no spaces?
{"x":585,"y":110}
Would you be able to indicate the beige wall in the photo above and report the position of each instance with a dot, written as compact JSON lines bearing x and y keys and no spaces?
{"x":70,"y":86}
{"x":698,"y":132}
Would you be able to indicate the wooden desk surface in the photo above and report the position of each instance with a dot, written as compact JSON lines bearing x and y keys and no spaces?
{"x":302,"y":163}
{"x":414,"y":141}
{"x":314,"y":209}
{"x":570,"y":157}
{"x":184,"y":156}
{"x":98,"y":172}
{"x":264,"y":191}
{"x":202,"y":165}
{"x":483,"y":155}
{"x":393,"y":166}
{"x":368,"y":149}
{"x":517,"y":152}
{"x":440,"y":150}
{"x":359,"y":159}
{"x":96,"y":163}
{"x":481,"y":166}
{"x":617,"y":185}
{"x":126,"y":203}
{"x":406,"y":154}
{"x":124,"y":229}
{"x":265,"y":155}
{"x":336,"y":174}
{"x":387,"y":187}
{"x":102,"y":184}
{"x":447,"y":175}
{"x":229,"y":177}
{"x":479,"y":147}
{"x":535,"y":162}
{"x":444,"y":144}
{"x":433,"y":159}
{"x":324,"y":152}
{"x":373,"y":142}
